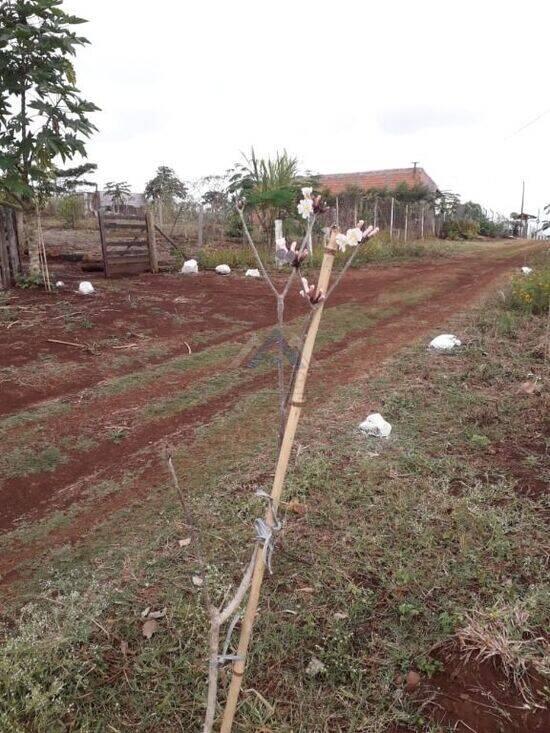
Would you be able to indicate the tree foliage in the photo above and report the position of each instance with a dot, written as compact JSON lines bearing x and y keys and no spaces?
{"x":165,"y":186}
{"x":70,"y":208}
{"x":119,"y":191}
{"x":270,"y":186}
{"x":474,"y":212}
{"x":42,"y":114}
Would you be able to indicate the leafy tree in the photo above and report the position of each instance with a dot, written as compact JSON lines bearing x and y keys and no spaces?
{"x":71,"y":209}
{"x":446,"y":204}
{"x":412,"y":194}
{"x":42,"y":115}
{"x":165,"y":188}
{"x":487,"y":227}
{"x":119,"y":191}
{"x":70,"y":178}
{"x":270,"y":186}
{"x":216,"y":200}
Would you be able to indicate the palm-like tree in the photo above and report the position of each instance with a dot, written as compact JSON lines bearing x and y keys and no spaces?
{"x":164,"y":188}
{"x":119,"y":191}
{"x":269,"y":185}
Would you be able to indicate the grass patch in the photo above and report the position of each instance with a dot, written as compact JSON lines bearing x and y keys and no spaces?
{"x":177,"y":365}
{"x":28,"y":417}
{"x":25,"y":461}
{"x":404,"y":544}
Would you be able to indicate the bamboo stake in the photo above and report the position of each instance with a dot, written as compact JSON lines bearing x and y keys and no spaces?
{"x":42,"y":251}
{"x":278,"y":483}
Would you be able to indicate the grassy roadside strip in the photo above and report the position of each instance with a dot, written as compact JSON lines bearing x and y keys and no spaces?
{"x":390,"y":545}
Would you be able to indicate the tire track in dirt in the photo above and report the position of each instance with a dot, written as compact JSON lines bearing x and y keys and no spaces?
{"x":254,"y":308}
{"x":369,"y":346}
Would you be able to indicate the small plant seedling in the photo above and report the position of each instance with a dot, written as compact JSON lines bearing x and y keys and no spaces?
{"x":481,"y":442}
{"x":117,"y":435}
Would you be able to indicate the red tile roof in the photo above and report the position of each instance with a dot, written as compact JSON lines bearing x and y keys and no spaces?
{"x":390,"y":178}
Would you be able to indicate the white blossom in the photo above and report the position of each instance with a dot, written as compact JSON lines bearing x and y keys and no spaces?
{"x":305,"y":208}
{"x":307,"y":191}
{"x":342,"y":242}
{"x":355,"y":236}
{"x":307,"y":289}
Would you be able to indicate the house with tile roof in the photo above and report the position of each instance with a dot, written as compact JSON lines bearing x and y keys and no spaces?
{"x":388,"y":179}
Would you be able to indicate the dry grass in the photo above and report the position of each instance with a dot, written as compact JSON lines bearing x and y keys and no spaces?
{"x":503,"y":635}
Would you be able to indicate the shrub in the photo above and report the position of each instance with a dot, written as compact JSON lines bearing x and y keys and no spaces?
{"x":494,"y":229}
{"x":234,"y":226}
{"x":460,"y":229}
{"x":532,"y":292}
{"x":71,"y":209}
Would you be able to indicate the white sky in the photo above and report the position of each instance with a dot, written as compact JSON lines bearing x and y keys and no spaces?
{"x":345,"y":86}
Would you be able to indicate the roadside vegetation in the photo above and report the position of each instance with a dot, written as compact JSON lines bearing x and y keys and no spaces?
{"x":396,"y":557}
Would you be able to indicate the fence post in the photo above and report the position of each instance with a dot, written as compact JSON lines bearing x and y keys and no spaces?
{"x":391,"y":218}
{"x":152,"y":241}
{"x":406,"y":222}
{"x":337,"y":213}
{"x":375,"y":217}
{"x":278,"y":235}
{"x":5,"y":276}
{"x":422,"y":222}
{"x":200,"y":226}
{"x":103,"y":238}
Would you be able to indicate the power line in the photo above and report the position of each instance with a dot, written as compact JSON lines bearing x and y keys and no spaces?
{"x":528,"y":124}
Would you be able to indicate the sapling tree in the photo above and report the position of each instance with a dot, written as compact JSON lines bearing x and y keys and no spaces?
{"x":164,"y":189}
{"x":43,"y":117}
{"x":291,"y":396}
{"x":119,"y":191}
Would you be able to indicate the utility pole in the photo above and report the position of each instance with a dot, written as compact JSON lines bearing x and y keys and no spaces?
{"x":522,"y":206}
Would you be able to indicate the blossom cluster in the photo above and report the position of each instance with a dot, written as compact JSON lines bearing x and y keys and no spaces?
{"x":289,"y":254}
{"x":309,"y":291}
{"x":355,"y":236}
{"x":310,"y":204}
{"x":305,"y":207}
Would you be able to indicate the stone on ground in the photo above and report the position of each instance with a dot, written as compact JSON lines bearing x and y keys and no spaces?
{"x":376,"y":426}
{"x":190,"y":267}
{"x":444,"y":342}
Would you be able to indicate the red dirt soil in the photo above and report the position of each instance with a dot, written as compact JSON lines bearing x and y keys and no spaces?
{"x":147,"y":304}
{"x":478,"y":696}
{"x":171,"y":312}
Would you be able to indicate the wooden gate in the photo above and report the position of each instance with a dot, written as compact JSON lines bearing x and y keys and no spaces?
{"x":128,"y":244}
{"x":10,"y":264}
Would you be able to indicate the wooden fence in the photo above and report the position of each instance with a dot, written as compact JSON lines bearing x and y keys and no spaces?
{"x":128,"y":243}
{"x":10,"y":263}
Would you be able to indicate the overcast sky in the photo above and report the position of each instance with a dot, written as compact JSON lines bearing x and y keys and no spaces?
{"x":345,"y":86}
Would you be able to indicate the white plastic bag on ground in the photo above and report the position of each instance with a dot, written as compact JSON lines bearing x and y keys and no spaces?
{"x":252,"y":273}
{"x":445,"y":342}
{"x":376,"y":425}
{"x":526,"y":270}
{"x":223,"y":269}
{"x":190,"y":267}
{"x":86,"y":288}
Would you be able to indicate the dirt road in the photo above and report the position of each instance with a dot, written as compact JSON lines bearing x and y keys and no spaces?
{"x":151,"y":360}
